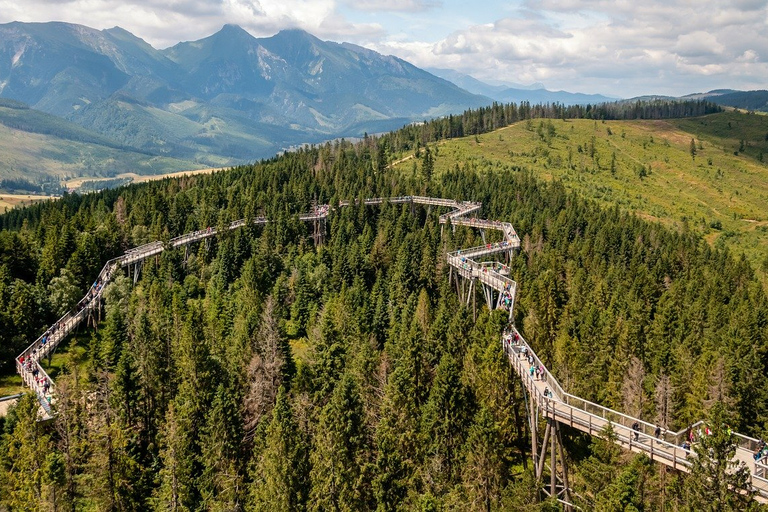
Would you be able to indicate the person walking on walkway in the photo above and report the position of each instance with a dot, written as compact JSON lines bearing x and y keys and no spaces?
{"x":636,"y":428}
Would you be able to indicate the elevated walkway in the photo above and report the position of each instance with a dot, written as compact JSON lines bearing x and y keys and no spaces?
{"x":556,"y":405}
{"x":592,"y":419}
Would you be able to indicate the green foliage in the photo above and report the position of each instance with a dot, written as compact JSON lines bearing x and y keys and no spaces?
{"x":394,"y":396}
{"x":718,"y":483}
{"x":280,"y":478}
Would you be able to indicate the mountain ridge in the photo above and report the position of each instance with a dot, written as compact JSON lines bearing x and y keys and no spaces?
{"x":265,"y":94}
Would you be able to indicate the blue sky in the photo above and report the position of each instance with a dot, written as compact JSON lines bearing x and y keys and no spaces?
{"x":621,"y":48}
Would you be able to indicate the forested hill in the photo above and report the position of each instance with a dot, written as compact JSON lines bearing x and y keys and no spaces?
{"x":265,"y":373}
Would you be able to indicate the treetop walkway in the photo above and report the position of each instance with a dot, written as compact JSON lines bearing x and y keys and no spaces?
{"x":544,"y":394}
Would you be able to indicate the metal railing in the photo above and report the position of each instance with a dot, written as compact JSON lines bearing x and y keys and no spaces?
{"x":629,"y":432}
{"x":28,"y":363}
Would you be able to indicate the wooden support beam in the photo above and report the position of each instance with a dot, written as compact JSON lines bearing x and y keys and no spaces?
{"x":566,"y":484}
{"x":553,"y":463}
{"x":543,"y":454}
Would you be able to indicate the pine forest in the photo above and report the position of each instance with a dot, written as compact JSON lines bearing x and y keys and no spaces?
{"x":262,"y":371}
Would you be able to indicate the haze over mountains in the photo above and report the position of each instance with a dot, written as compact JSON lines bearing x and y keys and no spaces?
{"x":226,"y":98}
{"x":515,"y":93}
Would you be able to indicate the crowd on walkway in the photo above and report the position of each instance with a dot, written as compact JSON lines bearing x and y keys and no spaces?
{"x":29,"y":360}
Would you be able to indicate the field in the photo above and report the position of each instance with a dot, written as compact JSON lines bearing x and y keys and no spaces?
{"x":8,"y":201}
{"x":716,"y":185}
{"x":39,"y":157}
{"x":137,"y":178}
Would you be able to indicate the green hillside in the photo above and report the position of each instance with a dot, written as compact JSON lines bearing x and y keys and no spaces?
{"x":643,"y":166}
{"x":260,"y":372}
{"x":40,"y":148}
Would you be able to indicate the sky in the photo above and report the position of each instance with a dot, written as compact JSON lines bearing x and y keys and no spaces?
{"x":621,"y":48}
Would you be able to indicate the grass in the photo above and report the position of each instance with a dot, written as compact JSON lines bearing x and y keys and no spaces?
{"x":11,"y":385}
{"x":645,"y":167}
{"x":9,"y":201}
{"x":72,"y":351}
{"x":36,"y":157}
{"x":137,"y":178}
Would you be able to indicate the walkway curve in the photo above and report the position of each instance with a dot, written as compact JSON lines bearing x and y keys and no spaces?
{"x":466,"y":263}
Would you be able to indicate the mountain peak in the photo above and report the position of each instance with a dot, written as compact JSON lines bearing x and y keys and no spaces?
{"x":232,"y":30}
{"x":294,"y":36}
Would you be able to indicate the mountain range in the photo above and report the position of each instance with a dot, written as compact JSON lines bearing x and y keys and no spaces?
{"x":224,"y":99}
{"x":76,"y":101}
{"x":506,"y":92}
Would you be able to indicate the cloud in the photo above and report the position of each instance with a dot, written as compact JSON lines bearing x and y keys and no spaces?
{"x":617,"y":47}
{"x":393,"y":5}
{"x":621,"y":48}
{"x":163,"y":23}
{"x":698,"y":44}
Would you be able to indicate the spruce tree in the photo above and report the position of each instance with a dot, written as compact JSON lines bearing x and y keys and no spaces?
{"x":280,"y":478}
{"x":338,"y":454}
{"x":718,"y":483}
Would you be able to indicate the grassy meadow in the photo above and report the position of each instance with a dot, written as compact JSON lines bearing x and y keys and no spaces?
{"x":716,"y":185}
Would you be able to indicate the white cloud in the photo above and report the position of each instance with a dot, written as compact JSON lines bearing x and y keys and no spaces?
{"x":698,"y":44}
{"x":166,"y":22}
{"x":393,"y":5}
{"x":618,"y":47}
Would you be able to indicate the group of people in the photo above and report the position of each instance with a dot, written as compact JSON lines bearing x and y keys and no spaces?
{"x":506,"y":300}
{"x":29,"y":360}
{"x":322,"y":210}
{"x":536,"y":371}
{"x":497,"y":245}
{"x":96,"y":288}
{"x":691,"y":436}
{"x":30,"y":365}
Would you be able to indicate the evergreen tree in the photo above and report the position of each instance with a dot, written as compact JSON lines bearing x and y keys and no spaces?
{"x":444,"y":423}
{"x":484,"y":471}
{"x":24,"y":448}
{"x":280,"y":478}
{"x":338,"y":456}
{"x":718,"y":483}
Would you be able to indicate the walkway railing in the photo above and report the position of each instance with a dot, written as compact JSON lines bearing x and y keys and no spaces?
{"x":629,"y":432}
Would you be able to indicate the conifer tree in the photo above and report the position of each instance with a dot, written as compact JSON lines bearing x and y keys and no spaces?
{"x":338,"y":454}
{"x":484,"y":469}
{"x":281,"y":472}
{"x":444,"y":423}
{"x":23,"y":452}
{"x":717,"y":482}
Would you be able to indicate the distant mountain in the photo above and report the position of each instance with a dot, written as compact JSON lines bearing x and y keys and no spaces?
{"x":476,"y":86}
{"x":747,"y":100}
{"x":41,"y":149}
{"x":535,"y":93}
{"x":227,"y":98}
